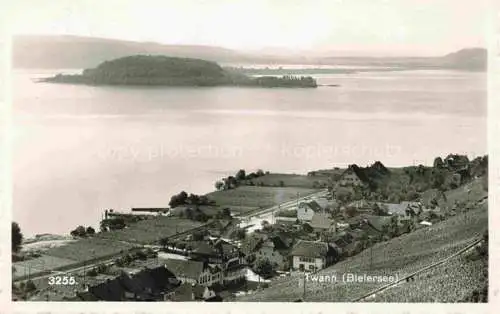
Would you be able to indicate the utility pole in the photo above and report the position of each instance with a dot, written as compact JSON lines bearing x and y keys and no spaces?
{"x":304,"y":294}
{"x":371,"y":257}
{"x":84,"y":272}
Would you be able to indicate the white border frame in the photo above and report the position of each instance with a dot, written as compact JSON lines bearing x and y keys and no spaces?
{"x":493,"y":36}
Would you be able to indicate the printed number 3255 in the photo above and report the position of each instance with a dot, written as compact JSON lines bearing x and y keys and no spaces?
{"x":62,"y":280}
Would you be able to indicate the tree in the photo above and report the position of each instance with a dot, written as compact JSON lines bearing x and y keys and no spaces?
{"x":17,"y":237}
{"x":438,"y":163}
{"x":203,"y":200}
{"x":92,"y":272}
{"x":241,"y":175}
{"x":103,"y":226}
{"x":189,"y":213}
{"x":193,"y":199}
{"x":198,"y":236}
{"x":377,"y":210}
{"x":230,"y":183}
{"x":79,"y":232}
{"x":116,"y":223}
{"x":351,"y":211}
{"x":226,"y":212}
{"x":307,"y":228}
{"x":393,"y":227}
{"x":90,"y":231}
{"x":265,"y":268}
{"x":241,"y":234}
{"x":141,"y":255}
{"x":265,"y":224}
{"x":260,"y":173}
{"x":179,"y":199}
{"x":164,"y":242}
{"x":102,"y":268}
{"x":30,"y":286}
{"x":484,"y":183}
{"x":127,"y":259}
{"x":364,"y":241}
{"x":219,"y":185}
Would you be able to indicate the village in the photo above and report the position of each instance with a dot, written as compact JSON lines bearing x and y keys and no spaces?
{"x":228,"y":254}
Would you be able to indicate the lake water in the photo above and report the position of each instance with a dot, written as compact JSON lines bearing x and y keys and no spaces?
{"x":81,"y":149}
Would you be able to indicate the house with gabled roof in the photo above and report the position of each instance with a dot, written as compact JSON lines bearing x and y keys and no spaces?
{"x":274,"y":248}
{"x":353,"y":176}
{"x":321,"y":222}
{"x":306,"y":210}
{"x":195,"y":272}
{"x":190,"y":292}
{"x":312,"y":256}
{"x":360,"y":205}
{"x":412,"y":208}
{"x":147,"y":285}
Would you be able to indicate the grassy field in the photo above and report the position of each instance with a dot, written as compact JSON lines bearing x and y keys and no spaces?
{"x":330,"y":172}
{"x":90,"y":248}
{"x":471,"y":192}
{"x":105,"y":245}
{"x":247,"y":198}
{"x":399,"y":256}
{"x":292,"y":180}
{"x":39,"y":264}
{"x":151,"y":230}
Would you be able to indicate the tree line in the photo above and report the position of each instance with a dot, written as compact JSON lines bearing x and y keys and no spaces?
{"x":232,"y":182}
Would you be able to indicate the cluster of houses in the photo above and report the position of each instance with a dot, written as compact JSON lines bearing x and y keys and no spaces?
{"x":201,"y":273}
{"x":317,"y":235}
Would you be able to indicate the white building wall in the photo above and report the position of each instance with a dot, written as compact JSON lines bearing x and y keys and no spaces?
{"x":319,"y":263}
{"x":350,"y":179}
{"x":304,"y":213}
{"x":235,"y":275}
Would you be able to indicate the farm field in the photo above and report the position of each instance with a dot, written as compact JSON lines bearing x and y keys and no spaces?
{"x":399,"y":256}
{"x":292,"y":180}
{"x":44,"y":262}
{"x":150,"y":230}
{"x":88,"y":249}
{"x":104,"y":245}
{"x":244,"y":199}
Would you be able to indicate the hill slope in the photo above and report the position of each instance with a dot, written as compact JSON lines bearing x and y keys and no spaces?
{"x":84,"y":52}
{"x":452,"y":282}
{"x":467,"y":59}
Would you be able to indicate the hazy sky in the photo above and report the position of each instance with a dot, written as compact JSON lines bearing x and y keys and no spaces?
{"x":415,"y":27}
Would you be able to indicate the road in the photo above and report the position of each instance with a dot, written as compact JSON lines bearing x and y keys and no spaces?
{"x":253,"y":221}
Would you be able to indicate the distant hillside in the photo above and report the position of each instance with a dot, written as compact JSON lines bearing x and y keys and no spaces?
{"x":457,"y":280}
{"x":469,"y":59}
{"x":38,"y":52}
{"x":86,"y":52}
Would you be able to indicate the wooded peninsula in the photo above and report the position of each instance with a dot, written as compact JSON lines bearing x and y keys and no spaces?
{"x":173,"y":71}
